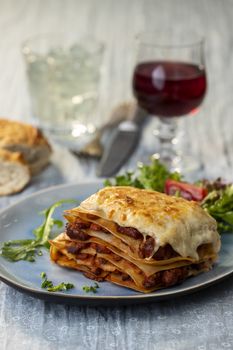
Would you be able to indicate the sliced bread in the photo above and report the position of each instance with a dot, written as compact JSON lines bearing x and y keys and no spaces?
{"x":28,"y":140}
{"x":14,"y":174}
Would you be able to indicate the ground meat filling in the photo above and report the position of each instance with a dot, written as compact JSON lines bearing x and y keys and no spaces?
{"x":164,"y":253}
{"x":129,"y":231}
{"x":74,"y":249}
{"x":166,"y":278}
{"x":76,"y":230}
{"x":82,"y":256}
{"x":95,"y":277}
{"x":123,"y":276}
{"x":174,"y":276}
{"x":96,"y":227}
{"x":100,"y":248}
{"x":147,"y":247}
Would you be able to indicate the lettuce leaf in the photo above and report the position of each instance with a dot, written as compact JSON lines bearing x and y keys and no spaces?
{"x":219,"y":204}
{"x":150,"y":177}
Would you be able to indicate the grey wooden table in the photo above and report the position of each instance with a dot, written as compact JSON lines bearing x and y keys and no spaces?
{"x":200,"y":321}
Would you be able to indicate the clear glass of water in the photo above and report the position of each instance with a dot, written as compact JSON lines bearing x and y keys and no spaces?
{"x":63,"y":79}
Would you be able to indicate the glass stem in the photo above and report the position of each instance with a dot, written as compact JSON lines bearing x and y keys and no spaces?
{"x":166,"y":133}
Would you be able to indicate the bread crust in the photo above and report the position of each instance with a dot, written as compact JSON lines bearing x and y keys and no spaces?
{"x":28,"y":140}
{"x":14,"y":132}
{"x":12,"y":156}
{"x":14,"y":174}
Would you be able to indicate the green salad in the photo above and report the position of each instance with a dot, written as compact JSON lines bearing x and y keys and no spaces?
{"x":216,"y":197}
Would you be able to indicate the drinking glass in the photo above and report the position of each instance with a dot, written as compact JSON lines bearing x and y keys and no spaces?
{"x":63,"y":74}
{"x":169,"y":82}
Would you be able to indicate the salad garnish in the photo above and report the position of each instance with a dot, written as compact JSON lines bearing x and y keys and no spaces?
{"x":150,"y":177}
{"x":92,"y":289}
{"x":49,"y":286}
{"x":216,"y":197}
{"x":27,"y":249}
{"x":219,"y":204}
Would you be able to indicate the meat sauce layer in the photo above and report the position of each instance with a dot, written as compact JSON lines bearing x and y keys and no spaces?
{"x":163,"y":278}
{"x":77,"y":231}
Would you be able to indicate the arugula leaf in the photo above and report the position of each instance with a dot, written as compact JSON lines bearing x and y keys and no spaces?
{"x":152,"y":177}
{"x":42,"y":232}
{"x":16,"y":250}
{"x":26,"y":249}
{"x":92,"y":289}
{"x":48,"y":285}
{"x":219,"y":204}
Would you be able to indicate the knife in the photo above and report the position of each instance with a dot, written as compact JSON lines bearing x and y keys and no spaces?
{"x":122,"y":142}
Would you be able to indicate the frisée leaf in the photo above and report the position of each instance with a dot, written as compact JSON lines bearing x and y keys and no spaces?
{"x":219,"y":204}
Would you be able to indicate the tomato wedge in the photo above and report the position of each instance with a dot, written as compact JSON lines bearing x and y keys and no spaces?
{"x":185,"y":190}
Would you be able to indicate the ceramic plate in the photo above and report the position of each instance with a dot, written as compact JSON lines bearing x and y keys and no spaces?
{"x":19,"y":220}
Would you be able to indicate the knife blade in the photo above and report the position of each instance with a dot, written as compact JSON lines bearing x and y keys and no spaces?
{"x":122,"y":143}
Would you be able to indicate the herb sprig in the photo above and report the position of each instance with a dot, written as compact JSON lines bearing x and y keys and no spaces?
{"x":49,"y":286}
{"x":27,"y":249}
{"x":92,"y":289}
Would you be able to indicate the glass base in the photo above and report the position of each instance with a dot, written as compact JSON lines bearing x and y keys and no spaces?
{"x":75,"y":138}
{"x":173,"y":150}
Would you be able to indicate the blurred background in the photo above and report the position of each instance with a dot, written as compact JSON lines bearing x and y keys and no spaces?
{"x":116,"y":23}
{"x":209,"y":134}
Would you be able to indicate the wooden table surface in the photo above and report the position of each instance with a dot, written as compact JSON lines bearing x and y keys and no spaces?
{"x":200,"y":321}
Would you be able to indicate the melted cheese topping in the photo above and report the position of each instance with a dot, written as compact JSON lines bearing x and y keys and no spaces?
{"x":169,"y":220}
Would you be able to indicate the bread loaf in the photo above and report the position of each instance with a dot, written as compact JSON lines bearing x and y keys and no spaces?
{"x":28,"y":140}
{"x":14,"y":172}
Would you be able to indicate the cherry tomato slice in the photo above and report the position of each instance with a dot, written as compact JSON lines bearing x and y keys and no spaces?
{"x":186,"y":190}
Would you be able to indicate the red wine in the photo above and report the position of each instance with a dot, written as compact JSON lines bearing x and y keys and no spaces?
{"x":169,"y":89}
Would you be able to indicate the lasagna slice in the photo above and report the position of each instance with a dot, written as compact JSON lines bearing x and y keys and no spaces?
{"x":140,"y":239}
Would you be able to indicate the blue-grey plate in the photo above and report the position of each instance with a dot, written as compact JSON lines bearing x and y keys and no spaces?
{"x":19,"y":220}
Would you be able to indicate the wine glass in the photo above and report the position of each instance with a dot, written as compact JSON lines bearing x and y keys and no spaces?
{"x":169,"y":81}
